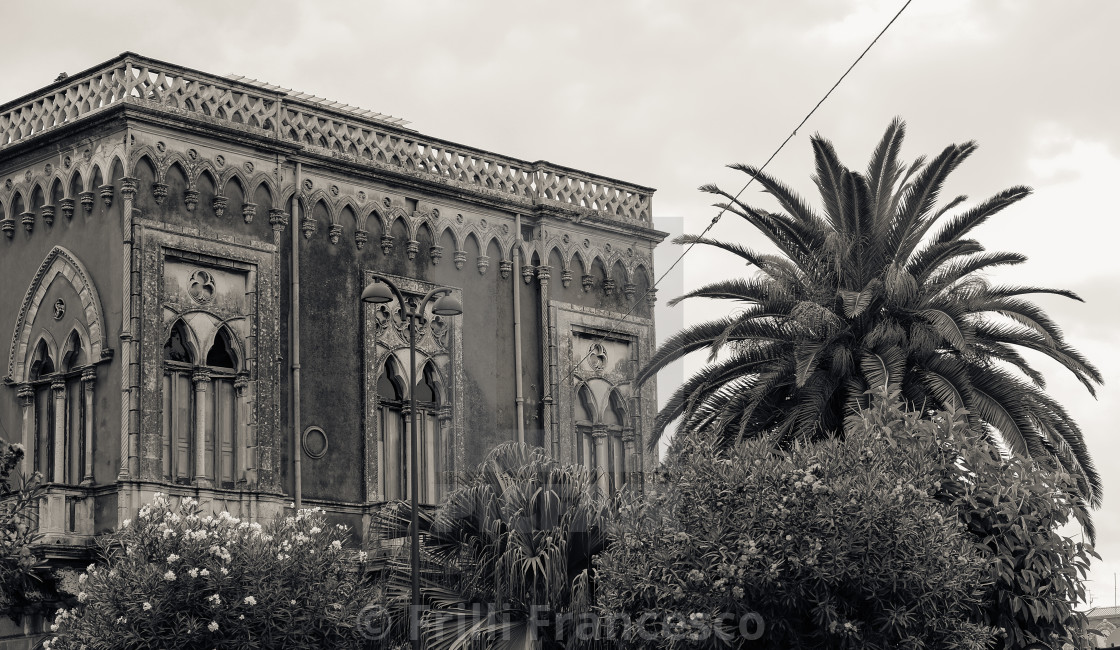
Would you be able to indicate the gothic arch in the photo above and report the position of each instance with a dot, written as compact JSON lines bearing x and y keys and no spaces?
{"x":59,"y":261}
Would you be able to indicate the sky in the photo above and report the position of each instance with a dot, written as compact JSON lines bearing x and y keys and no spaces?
{"x":666,"y":94}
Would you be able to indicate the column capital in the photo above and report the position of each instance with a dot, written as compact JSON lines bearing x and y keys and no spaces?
{"x":544,"y":273}
{"x":277,"y":217}
{"x":628,"y":434}
{"x":26,"y":394}
{"x":200,"y":377}
{"x":89,"y":375}
{"x":241,"y":383}
{"x":598,"y":431}
{"x":58,"y":384}
{"x":651,"y":296}
{"x":444,"y":414}
{"x":128,"y":187}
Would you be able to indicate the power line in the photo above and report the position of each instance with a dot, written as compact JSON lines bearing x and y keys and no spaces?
{"x":716,"y":218}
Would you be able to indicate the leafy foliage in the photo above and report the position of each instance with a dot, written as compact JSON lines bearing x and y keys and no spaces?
{"x":177,"y":579}
{"x":880,"y":288}
{"x":20,"y":581}
{"x":507,"y":556}
{"x":835,"y":544}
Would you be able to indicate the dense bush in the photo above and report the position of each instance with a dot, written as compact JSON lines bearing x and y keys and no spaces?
{"x":174,"y":578}
{"x":19,"y":582}
{"x":837,"y":544}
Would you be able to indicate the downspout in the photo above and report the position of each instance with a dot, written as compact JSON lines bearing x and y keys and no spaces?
{"x":519,"y":394}
{"x":297,"y":449}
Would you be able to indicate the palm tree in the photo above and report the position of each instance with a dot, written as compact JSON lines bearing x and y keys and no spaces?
{"x":511,"y":548}
{"x":868,"y":293}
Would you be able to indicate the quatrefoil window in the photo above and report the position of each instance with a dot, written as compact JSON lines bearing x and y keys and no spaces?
{"x":201,"y":287}
{"x":598,"y":356}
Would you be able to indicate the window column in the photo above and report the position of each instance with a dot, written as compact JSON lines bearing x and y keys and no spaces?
{"x":201,"y":379}
{"x":58,"y":388}
{"x":26,"y":395}
{"x":629,"y":472}
{"x":89,"y":378}
{"x":599,"y":434}
{"x":446,"y":480}
{"x":241,"y":425}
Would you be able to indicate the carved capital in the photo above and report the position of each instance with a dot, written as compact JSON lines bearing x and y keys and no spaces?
{"x":544,"y":273}
{"x":628,"y":290}
{"x":444,"y":416}
{"x":219,"y":204}
{"x":58,"y":385}
{"x":505,"y":267}
{"x":588,"y":281}
{"x":436,"y":253}
{"x":386,"y":244}
{"x":628,"y":435}
{"x":483,"y":263}
{"x":128,"y":187}
{"x":106,"y":192}
{"x":598,"y":431}
{"x":48,"y":214}
{"x":608,"y":286}
{"x":277,"y":218}
{"x":335,"y":232}
{"x":67,"y":207}
{"x":360,"y":238}
{"x":566,"y":277}
{"x":86,"y":199}
{"x":159,"y":192}
{"x":308,"y":226}
{"x":8,"y":225}
{"x":190,"y":198}
{"x":527,"y":273}
{"x":241,"y":383}
{"x":89,"y":376}
{"x":28,"y":219}
{"x":249,"y":210}
{"x":200,"y":377}
{"x":26,"y":395}
{"x":460,"y":259}
{"x":412,"y":248}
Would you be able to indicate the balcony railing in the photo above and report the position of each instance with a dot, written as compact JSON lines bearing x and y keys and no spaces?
{"x":273,"y":112}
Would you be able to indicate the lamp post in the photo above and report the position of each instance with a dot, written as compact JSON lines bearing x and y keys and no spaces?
{"x":381,"y":291}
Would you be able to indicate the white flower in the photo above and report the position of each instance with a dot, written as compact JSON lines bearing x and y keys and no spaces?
{"x":315,"y":529}
{"x":193,"y":572}
{"x":82,"y":578}
{"x":224,"y":571}
{"x":204,"y":572}
{"x":336,"y":545}
{"x":362,"y":556}
{"x":122,"y":620}
{"x":125,"y":523}
{"x":172,"y":559}
{"x":293,"y":602}
{"x":241,"y":618}
{"x":250,"y":601}
{"x":213,"y":626}
{"x":215,"y":599}
{"x":147,"y":606}
{"x":82,"y":596}
{"x":169,"y":576}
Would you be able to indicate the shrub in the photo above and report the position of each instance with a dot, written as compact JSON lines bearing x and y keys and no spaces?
{"x":19,"y":580}
{"x":176,"y":579}
{"x":837,"y":544}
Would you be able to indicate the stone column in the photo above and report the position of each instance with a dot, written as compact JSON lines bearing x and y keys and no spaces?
{"x":628,"y":465}
{"x":130,"y":436}
{"x":447,"y":480}
{"x":599,"y":434}
{"x":201,"y":379}
{"x":241,"y":443}
{"x":551,"y":438}
{"x":58,"y":388}
{"x":406,"y":441}
{"x":429,"y":440}
{"x":26,"y":395}
{"x":89,"y":378}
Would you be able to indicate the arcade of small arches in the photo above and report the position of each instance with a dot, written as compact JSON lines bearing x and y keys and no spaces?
{"x":604,"y":437}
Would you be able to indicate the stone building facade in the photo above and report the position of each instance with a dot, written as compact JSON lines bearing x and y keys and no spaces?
{"x":182,"y":257}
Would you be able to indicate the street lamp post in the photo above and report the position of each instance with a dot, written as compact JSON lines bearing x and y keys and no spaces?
{"x":381,"y":291}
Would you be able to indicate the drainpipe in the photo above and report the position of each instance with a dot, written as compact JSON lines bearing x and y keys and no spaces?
{"x":297,"y":449}
{"x":520,"y":396}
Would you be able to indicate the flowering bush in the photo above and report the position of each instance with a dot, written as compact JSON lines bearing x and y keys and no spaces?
{"x":177,"y":579}
{"x":19,"y":583}
{"x":838,"y":544}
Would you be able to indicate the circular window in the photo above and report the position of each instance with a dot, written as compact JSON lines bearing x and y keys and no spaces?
{"x":314,"y":442}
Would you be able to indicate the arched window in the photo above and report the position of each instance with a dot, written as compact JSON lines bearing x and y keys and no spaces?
{"x":392,"y":442}
{"x":584,"y":420}
{"x":432,"y":457}
{"x":73,"y":360}
{"x":40,"y":376}
{"x":221,"y":436}
{"x":178,"y":406}
{"x":58,"y":436}
{"x":615,"y":419}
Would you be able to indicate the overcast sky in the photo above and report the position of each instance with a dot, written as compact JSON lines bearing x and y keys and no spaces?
{"x":666,"y":94}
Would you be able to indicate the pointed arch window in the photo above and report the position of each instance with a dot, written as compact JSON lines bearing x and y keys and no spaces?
{"x":178,"y":406}
{"x":40,"y":377}
{"x":585,"y":420}
{"x":221,"y":434}
{"x":57,"y":431}
{"x":615,"y":419}
{"x":394,"y":441}
{"x":430,"y":437}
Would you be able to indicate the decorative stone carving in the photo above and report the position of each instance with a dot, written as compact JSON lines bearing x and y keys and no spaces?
{"x":67,"y":207}
{"x":483,"y":263}
{"x":48,"y":214}
{"x":277,"y":218}
{"x":597,"y":356}
{"x":248,"y":211}
{"x":190,"y":198}
{"x":308,"y":226}
{"x":651,"y":296}
{"x":566,"y":277}
{"x":59,"y":309}
{"x":608,"y":286}
{"x":386,"y":244}
{"x":412,"y":248}
{"x":505,"y":267}
{"x":460,"y":259}
{"x":128,"y":187}
{"x":200,"y":376}
{"x":86,"y":199}
{"x":527,"y":273}
{"x":219,"y":205}
{"x":8,"y":225}
{"x":544,"y":273}
{"x":335,"y":232}
{"x":26,"y":394}
{"x":435,"y":252}
{"x":201,"y":287}
{"x":441,"y":331}
{"x":361,"y":236}
{"x":628,"y":290}
{"x":28,"y":219}
{"x":588,"y":281}
{"x":159,"y":192}
{"x":107,"y":194}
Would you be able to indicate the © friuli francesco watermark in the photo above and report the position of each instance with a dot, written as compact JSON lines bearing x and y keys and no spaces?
{"x":375,"y":623}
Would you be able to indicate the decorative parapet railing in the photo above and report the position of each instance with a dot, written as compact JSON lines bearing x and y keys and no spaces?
{"x":272,"y":112}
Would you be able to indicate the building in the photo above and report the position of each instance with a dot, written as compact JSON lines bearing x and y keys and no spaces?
{"x":183,"y":256}
{"x":1106,"y":621}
